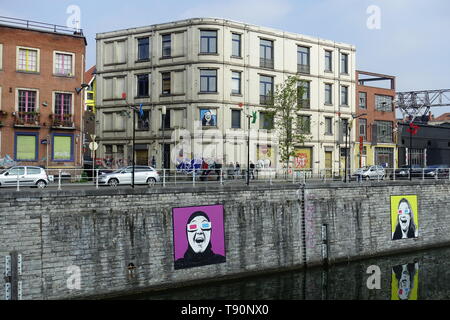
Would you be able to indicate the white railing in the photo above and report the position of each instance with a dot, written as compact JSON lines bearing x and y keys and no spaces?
{"x":80,"y":178}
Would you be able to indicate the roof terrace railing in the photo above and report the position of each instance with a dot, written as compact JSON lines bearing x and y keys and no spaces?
{"x":34,"y":25}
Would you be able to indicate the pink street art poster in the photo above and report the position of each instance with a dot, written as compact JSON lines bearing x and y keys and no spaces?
{"x":198,"y":236}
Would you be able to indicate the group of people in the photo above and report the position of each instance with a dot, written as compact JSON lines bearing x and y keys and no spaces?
{"x":234,"y":171}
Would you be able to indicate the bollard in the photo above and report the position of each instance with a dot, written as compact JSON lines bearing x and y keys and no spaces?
{"x":96,"y":180}
{"x":193,"y":178}
{"x":293,"y":176}
{"x":221,"y":177}
{"x":59,"y":179}
{"x":18,"y":181}
{"x":164,"y":178}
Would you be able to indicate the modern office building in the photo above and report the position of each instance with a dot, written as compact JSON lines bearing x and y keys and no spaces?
{"x":376,"y":141}
{"x":198,"y":79}
{"x":41,"y":73}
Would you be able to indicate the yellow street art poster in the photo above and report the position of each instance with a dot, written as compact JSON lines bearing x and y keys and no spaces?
{"x":405,"y":282}
{"x":265,"y":156}
{"x":404,"y":217}
{"x":302,"y":159}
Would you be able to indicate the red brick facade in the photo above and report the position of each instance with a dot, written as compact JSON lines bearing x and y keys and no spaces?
{"x":47,"y":120}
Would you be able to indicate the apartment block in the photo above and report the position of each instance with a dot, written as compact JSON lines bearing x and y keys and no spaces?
{"x":41,"y":68}
{"x":208,"y":75}
{"x":376,"y":142}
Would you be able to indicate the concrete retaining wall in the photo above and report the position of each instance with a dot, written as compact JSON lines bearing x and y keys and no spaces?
{"x":102,"y":232}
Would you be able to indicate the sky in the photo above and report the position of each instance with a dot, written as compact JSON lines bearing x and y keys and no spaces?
{"x":405,"y":38}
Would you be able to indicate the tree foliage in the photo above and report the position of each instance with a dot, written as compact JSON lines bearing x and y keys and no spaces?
{"x":283,"y":108}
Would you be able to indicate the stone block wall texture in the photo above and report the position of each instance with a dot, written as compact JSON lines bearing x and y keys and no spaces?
{"x":103,"y":231}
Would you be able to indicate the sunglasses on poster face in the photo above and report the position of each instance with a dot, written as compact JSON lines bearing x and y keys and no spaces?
{"x":405,"y":211}
{"x":205,"y":226}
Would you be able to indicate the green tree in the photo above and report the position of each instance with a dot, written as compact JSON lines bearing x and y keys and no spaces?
{"x":283,"y":107}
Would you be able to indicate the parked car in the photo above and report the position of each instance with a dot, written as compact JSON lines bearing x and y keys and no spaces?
{"x":438,"y":170}
{"x":370,"y":172}
{"x":27,"y":176}
{"x":403,"y":171}
{"x":142,"y":175}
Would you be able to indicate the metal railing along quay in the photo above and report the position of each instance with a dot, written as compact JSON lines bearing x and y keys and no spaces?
{"x":99,"y":178}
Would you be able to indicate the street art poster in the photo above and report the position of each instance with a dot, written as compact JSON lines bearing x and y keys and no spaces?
{"x":405,"y":281}
{"x":198,"y":236}
{"x":265,"y":156}
{"x":404,"y":217}
{"x":302,"y":158}
{"x":208,"y":117}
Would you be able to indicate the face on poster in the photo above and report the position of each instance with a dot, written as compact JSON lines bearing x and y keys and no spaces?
{"x":405,"y":281}
{"x":208,"y":117}
{"x":199,"y":237}
{"x":404,"y":217}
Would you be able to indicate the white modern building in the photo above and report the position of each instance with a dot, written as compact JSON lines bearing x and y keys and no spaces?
{"x":207,"y":74}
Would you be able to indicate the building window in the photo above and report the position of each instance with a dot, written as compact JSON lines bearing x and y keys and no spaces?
{"x":304,"y":87}
{"x":208,"y":81}
{"x":165,"y":120}
{"x":384,"y":131}
{"x":303,"y":59}
{"x":328,"y":126}
{"x":304,"y":124}
{"x":266,"y":121}
{"x":363,"y":128}
{"x":208,"y":41}
{"x":115,"y":52}
{"x":328,"y":93}
{"x":236,"y":45}
{"x":143,"y":85}
{"x":344,"y":96}
{"x":114,"y":88}
{"x":328,"y":61}
{"x":143,"y":49}
{"x":236,"y":119}
{"x":63,"y":110}
{"x":265,"y":89}
{"x":64,"y":64}
{"x":266,"y":54}
{"x":166,"y":83}
{"x":27,"y":107}
{"x":1,"y":56}
{"x":62,"y":147}
{"x":166,"y":45}
{"x":344,"y":63}
{"x":363,"y":100}
{"x":28,"y":60}
{"x":26,"y":148}
{"x":144,"y":121}
{"x":236,"y":82}
{"x":383,"y":103}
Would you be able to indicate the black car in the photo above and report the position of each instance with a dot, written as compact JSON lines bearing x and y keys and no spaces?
{"x":437,"y":171}
{"x":403,"y":171}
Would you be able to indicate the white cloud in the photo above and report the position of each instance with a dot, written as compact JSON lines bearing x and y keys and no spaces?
{"x":261,"y":12}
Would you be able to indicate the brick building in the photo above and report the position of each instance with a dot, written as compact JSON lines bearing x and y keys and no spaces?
{"x":41,"y":75}
{"x":375,"y":134}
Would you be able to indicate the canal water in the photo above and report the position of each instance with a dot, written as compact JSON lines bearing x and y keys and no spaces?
{"x":421,"y":275}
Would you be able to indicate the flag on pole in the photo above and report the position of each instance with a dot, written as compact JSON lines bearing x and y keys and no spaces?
{"x":141,"y":111}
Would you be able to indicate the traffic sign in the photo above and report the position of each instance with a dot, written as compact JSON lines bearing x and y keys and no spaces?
{"x":93,"y":146}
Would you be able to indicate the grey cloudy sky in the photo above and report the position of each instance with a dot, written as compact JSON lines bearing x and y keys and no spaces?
{"x":412,"y":44}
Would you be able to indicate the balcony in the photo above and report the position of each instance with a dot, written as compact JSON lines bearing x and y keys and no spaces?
{"x":27,"y":119}
{"x":62,"y":121}
{"x":304,"y":68}
{"x":266,"y":63}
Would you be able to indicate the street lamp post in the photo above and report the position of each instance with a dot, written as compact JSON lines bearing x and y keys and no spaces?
{"x":248,"y":150}
{"x":134,"y":149}
{"x":163,"y":111}
{"x":346,"y":142}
